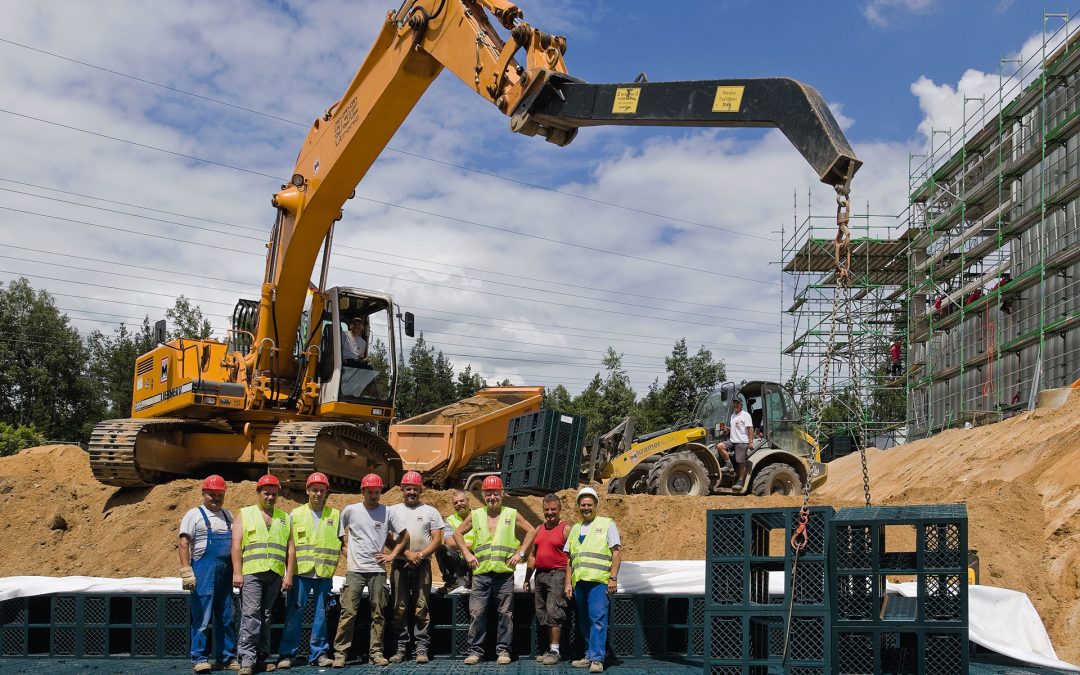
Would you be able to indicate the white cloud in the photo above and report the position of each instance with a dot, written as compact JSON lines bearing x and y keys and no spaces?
{"x":881,"y":12}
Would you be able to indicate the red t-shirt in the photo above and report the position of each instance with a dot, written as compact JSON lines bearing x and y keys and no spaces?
{"x":549,"y":547}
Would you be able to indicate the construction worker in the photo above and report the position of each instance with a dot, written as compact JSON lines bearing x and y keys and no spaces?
{"x":592,"y":573}
{"x":740,"y":440}
{"x":314,"y":550}
{"x":548,"y":560}
{"x":367,"y":526}
{"x":410,"y":571}
{"x":495,"y":553}
{"x":452,"y":563}
{"x":260,"y":548}
{"x":206,"y":570}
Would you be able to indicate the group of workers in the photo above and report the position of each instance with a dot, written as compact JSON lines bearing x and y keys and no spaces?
{"x":263,"y":552}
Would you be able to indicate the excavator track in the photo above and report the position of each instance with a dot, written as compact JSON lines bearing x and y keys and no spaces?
{"x":112,"y":450}
{"x":344,"y":452}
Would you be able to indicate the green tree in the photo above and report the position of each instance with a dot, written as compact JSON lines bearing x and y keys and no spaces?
{"x":444,"y":389}
{"x":111,"y":366}
{"x":617,"y":398}
{"x":690,"y":378}
{"x":468,"y":383}
{"x":649,"y":414}
{"x":587,"y":403}
{"x":43,"y":380}
{"x":186,"y":321}
{"x":505,"y":383}
{"x":14,"y":439}
{"x":558,"y":399}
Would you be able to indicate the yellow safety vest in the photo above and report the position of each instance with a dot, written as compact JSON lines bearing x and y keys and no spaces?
{"x":264,"y":550}
{"x":590,"y":560}
{"x":493,"y":550}
{"x":316,"y":549}
{"x":453,"y":520}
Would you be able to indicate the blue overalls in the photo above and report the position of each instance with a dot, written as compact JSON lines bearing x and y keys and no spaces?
{"x":212,"y":597}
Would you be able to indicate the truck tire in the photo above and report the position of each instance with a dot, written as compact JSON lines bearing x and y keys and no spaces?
{"x":776,"y":479}
{"x":680,"y":473}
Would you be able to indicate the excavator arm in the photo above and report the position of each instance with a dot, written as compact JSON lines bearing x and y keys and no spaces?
{"x":414,"y":45}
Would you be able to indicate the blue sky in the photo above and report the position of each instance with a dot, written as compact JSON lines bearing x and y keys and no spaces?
{"x":675,"y":236}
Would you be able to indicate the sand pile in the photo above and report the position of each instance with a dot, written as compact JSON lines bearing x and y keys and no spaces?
{"x":1020,"y":480}
{"x":467,"y":409}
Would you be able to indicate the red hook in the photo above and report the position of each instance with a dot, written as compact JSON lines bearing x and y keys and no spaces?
{"x":799,"y":539}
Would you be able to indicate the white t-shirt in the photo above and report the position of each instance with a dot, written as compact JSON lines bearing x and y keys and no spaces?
{"x":194,"y":528}
{"x":420,"y":520}
{"x":366,"y":535}
{"x":613,"y":539}
{"x":353,"y":346}
{"x":740,"y":424}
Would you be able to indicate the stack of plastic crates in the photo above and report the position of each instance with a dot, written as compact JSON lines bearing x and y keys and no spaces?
{"x":543,"y":452}
{"x":748,"y":630}
{"x":879,"y":632}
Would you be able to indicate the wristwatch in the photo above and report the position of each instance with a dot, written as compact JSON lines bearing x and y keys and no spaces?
{"x":521,"y":554}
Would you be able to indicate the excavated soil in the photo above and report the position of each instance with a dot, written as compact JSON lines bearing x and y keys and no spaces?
{"x":467,"y":409}
{"x":1020,"y":480}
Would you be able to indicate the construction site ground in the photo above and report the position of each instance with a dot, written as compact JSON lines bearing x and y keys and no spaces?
{"x":1019,"y":478}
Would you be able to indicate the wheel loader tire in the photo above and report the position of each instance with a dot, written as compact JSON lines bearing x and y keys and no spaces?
{"x":636,"y":482}
{"x":777,"y":479}
{"x":680,"y":473}
{"x":615,"y":487}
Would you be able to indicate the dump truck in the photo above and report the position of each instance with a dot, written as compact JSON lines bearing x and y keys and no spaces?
{"x":460,"y":443}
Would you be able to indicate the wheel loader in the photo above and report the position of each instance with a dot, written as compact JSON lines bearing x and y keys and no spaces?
{"x":683,"y":459}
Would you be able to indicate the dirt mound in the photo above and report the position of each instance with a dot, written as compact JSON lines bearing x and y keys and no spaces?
{"x":467,"y":409}
{"x":1020,"y":480}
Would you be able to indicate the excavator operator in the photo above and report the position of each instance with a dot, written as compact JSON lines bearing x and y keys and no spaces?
{"x":354,"y":346}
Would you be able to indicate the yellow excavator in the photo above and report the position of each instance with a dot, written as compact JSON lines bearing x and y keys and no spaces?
{"x":293,"y":388}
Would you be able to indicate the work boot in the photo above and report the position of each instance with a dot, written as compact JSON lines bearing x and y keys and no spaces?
{"x":398,"y":657}
{"x":202,"y":667}
{"x":339,"y":661}
{"x":266,"y":667}
{"x":422,"y":657}
{"x":446,"y":588}
{"x":377,"y":659}
{"x":504,"y":659}
{"x":285,"y":664}
{"x":550,"y":659}
{"x":581,"y":663}
{"x":326,"y":662}
{"x":472,"y":659}
{"x":596,"y":667}
{"x":233,"y":665}
{"x":247,"y":670}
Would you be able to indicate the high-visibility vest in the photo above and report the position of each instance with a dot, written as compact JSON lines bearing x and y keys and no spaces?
{"x":590,"y":560}
{"x":492,"y":549}
{"x":264,"y":550}
{"x":453,"y":520}
{"x":316,"y":548}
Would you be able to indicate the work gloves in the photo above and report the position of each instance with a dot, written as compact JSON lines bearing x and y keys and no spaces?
{"x":187,"y":578}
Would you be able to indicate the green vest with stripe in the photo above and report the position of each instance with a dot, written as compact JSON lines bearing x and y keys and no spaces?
{"x":492,"y":549}
{"x":590,"y":560}
{"x":453,"y":520}
{"x":316,"y":548}
{"x":264,"y":550}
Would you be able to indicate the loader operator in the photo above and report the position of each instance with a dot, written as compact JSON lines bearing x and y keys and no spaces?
{"x":493,"y":558}
{"x":740,"y":439}
{"x":260,"y":547}
{"x":206,"y":570}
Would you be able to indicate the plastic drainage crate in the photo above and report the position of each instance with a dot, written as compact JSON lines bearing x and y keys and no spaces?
{"x":543,"y":452}
{"x":757,"y":641}
{"x":901,"y":649}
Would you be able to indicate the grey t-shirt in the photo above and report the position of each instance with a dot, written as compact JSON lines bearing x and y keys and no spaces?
{"x":420,"y":520}
{"x":366,"y":531}
{"x":193,"y":527}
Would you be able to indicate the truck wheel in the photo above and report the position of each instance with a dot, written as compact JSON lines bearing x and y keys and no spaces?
{"x":680,"y":473}
{"x":777,"y":479}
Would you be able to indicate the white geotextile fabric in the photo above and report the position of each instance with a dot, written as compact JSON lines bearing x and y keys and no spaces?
{"x":998,"y":619}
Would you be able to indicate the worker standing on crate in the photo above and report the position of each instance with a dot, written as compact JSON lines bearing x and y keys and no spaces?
{"x":548,"y":559}
{"x":410,"y":571}
{"x":592,"y":573}
{"x":206,"y":570}
{"x":260,"y":546}
{"x":495,"y":554}
{"x":313,"y":556}
{"x":455,"y":571}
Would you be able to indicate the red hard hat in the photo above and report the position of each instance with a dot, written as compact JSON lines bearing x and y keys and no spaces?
{"x":412,"y":478}
{"x":268,"y":479}
{"x":492,"y":483}
{"x":214,"y":482}
{"x":372,"y":480}
{"x":318,"y":477}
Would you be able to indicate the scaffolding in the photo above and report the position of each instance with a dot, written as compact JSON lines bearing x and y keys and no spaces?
{"x":873,"y":320}
{"x":992,"y":297}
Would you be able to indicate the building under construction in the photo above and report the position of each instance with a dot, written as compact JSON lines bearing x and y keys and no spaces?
{"x":977,"y":281}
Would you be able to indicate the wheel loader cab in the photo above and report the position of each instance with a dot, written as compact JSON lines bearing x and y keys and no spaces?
{"x":358,"y":354}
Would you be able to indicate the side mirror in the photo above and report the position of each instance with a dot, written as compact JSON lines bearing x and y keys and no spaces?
{"x":410,"y":324}
{"x":159,"y":332}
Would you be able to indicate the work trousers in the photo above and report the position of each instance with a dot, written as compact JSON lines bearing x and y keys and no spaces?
{"x":295,"y":602}
{"x":592,"y":610}
{"x":410,"y":588}
{"x":256,"y":607}
{"x":453,"y":567}
{"x":487,"y":589}
{"x":351,"y":594}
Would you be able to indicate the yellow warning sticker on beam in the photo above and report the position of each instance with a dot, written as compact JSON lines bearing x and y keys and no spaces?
{"x":626,"y":99}
{"x":728,"y":99}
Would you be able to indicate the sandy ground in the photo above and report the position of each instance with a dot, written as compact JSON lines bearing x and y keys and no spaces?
{"x":1020,"y":480}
